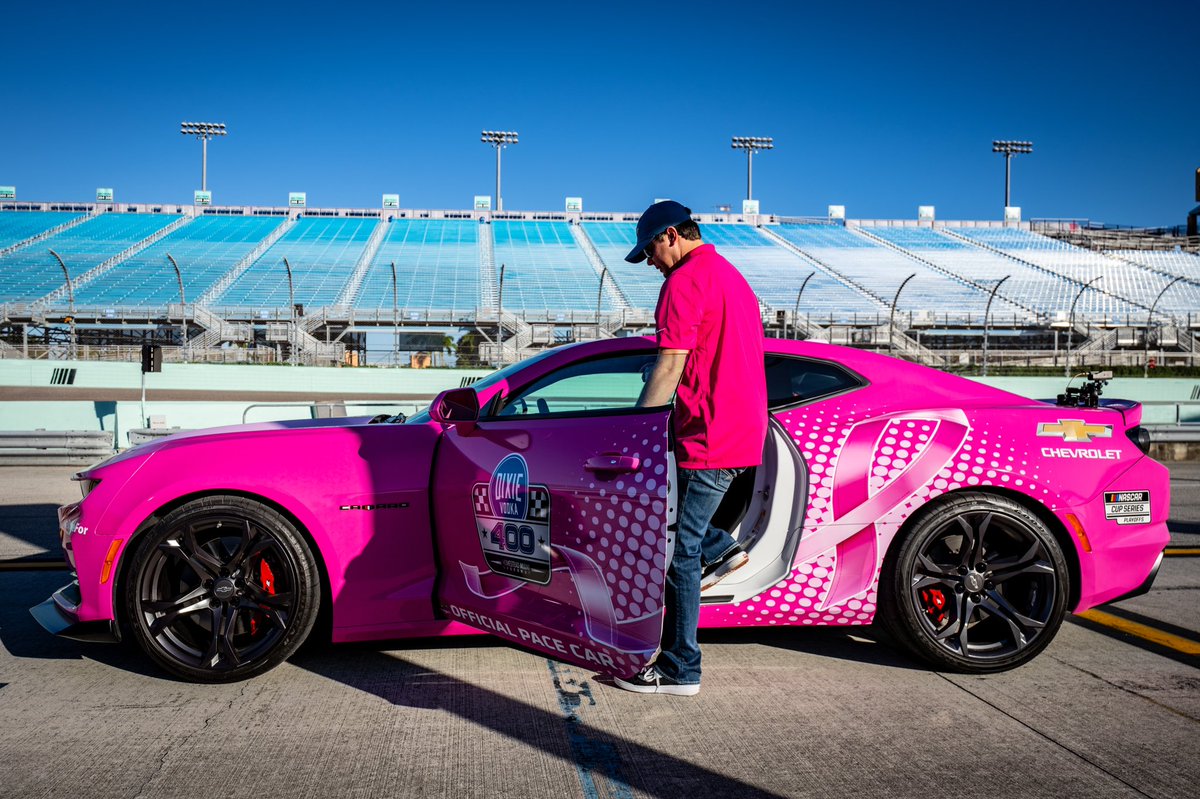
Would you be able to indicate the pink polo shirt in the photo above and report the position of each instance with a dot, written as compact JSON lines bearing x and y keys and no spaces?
{"x":707,"y":307}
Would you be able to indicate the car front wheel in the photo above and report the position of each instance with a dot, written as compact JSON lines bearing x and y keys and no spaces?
{"x":978,"y":585}
{"x":221,"y":589}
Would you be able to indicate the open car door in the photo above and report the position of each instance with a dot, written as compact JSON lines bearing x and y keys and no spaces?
{"x":551,"y":519}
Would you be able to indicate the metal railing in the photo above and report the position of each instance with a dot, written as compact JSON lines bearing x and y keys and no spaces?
{"x":327,"y":410}
{"x":52,"y":447}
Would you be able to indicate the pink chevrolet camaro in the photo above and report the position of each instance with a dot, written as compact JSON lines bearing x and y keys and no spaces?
{"x":538,"y":505}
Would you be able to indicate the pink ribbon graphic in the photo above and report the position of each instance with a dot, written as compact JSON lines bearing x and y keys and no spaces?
{"x":855,"y":510}
{"x":599,"y":618}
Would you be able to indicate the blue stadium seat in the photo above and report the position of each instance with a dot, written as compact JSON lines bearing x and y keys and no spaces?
{"x":437,"y":267}
{"x":545,"y":270}
{"x":31,"y":272}
{"x":16,"y":226}
{"x":322,"y":253}
{"x":773,"y":272}
{"x":1119,"y":279}
{"x":205,"y":250}
{"x":882,"y":270}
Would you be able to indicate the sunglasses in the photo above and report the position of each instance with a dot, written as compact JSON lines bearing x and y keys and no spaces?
{"x":649,"y":249}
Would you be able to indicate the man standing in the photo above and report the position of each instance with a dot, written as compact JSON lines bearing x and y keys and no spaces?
{"x":710,"y":345}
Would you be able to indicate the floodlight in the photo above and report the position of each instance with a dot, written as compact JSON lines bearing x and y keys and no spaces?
{"x":752,"y":145}
{"x":1008,"y":149}
{"x":203,"y":131}
{"x":499,"y":139}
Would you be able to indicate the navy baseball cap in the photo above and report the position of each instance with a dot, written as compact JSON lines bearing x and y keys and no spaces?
{"x":654,"y":221}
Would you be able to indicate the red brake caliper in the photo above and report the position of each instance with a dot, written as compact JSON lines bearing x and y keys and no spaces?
{"x":267,"y":578}
{"x":935,"y":604}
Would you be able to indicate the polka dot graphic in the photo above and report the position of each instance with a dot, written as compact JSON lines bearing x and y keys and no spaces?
{"x":619,"y":523}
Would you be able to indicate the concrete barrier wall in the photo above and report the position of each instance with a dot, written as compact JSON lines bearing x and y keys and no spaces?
{"x":120,"y":416}
{"x":237,"y":377}
{"x":326,"y":380}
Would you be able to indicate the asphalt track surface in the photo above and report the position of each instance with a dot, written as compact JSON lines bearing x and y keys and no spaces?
{"x":1110,"y":709}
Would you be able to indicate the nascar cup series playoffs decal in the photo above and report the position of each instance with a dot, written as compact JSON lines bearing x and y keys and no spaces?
{"x":1127,"y":507}
{"x":513,"y":520}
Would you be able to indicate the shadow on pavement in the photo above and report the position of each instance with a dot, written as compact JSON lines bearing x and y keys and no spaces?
{"x":35,"y":524}
{"x":623,"y":763}
{"x":858,"y":644}
{"x":21,"y":636}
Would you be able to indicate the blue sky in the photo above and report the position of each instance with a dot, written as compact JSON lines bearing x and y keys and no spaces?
{"x":880,"y":107}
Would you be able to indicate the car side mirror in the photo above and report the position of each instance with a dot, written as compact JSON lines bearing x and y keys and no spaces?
{"x":457,"y":406}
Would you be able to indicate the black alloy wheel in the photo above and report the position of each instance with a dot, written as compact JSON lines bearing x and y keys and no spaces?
{"x":978,"y":585}
{"x":221,"y":589}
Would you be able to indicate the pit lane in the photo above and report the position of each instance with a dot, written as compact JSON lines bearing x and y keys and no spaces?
{"x":783,"y":712}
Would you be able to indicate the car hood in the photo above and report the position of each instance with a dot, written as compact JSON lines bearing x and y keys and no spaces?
{"x":229,"y":432}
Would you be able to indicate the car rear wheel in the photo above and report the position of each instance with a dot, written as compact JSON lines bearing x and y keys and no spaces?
{"x":978,"y":585}
{"x":221,"y":589}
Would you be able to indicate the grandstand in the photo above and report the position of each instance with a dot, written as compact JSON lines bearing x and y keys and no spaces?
{"x":308,"y":283}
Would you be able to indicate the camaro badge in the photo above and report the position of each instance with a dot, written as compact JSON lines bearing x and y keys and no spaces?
{"x":513,"y":521}
{"x":1074,"y":430}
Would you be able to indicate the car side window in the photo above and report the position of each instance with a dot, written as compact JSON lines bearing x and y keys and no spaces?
{"x":602,"y":384}
{"x":791,"y":381}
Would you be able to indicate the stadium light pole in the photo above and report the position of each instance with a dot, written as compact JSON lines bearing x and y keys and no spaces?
{"x":1149,"y":317}
{"x":499,"y":139}
{"x":70,"y":300}
{"x":395,"y":319}
{"x":183,"y":341}
{"x":1071,"y":324}
{"x":892,"y":318}
{"x":1008,"y":149}
{"x":796,"y":310}
{"x":291,"y":311}
{"x":986,"y":312}
{"x":599,"y":296}
{"x":203,"y":131}
{"x":500,"y":316}
{"x":752,"y":145}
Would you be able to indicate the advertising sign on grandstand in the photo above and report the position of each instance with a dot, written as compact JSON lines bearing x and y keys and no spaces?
{"x":297,"y":199}
{"x":391,"y":201}
{"x":483,"y":202}
{"x":202,"y":197}
{"x":749,"y":207}
{"x":8,"y":192}
{"x":837,"y":212}
{"x":574,"y":204}
{"x":1012,"y":213}
{"x":925,"y":213}
{"x":104,"y":195}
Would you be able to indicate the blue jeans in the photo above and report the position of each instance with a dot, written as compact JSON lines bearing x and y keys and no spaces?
{"x":700,"y":493}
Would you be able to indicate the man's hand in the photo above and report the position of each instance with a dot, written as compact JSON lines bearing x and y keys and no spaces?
{"x":660,"y":388}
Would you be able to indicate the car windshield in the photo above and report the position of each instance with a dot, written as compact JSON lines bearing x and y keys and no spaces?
{"x":483,"y":383}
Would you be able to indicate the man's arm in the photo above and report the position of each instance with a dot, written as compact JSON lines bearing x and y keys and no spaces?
{"x":663,"y":379}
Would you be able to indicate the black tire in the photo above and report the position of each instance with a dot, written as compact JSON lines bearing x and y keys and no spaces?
{"x":221,"y":589}
{"x":980,"y":558}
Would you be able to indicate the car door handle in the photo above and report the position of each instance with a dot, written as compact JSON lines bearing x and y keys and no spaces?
{"x":612,"y":463}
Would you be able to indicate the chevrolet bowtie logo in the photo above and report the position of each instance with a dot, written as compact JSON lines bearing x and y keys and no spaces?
{"x":1075,"y":430}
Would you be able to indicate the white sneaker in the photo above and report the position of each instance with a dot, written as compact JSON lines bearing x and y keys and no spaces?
{"x":719,"y":571}
{"x":650,"y":681}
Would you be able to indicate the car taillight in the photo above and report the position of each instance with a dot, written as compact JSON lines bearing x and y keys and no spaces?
{"x":86,"y":484}
{"x":1140,"y":436}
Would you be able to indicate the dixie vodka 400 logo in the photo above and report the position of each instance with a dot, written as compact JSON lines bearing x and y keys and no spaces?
{"x":513,"y":520}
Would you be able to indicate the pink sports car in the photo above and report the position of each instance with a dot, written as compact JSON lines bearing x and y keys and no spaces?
{"x":538,"y":505}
